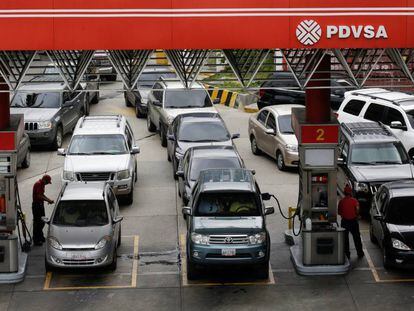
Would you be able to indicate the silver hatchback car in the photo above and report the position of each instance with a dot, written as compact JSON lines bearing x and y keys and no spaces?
{"x":85,"y":227}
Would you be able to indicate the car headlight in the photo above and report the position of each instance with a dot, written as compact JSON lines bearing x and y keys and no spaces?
{"x":199,"y":238}
{"x":291,"y":148}
{"x":68,"y":175}
{"x":123,"y":174}
{"x":397,"y":244}
{"x":54,"y":243}
{"x":361,"y":187}
{"x":101,"y":244}
{"x":44,"y":125}
{"x":258,"y":238}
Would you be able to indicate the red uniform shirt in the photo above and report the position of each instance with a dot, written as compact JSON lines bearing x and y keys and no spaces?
{"x":347,"y":208}
{"x":38,"y":191}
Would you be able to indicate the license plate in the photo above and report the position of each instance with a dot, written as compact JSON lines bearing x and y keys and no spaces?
{"x":228,"y":252}
{"x":78,"y":257}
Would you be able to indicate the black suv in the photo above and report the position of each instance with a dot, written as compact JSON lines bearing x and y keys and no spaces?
{"x":282,"y":89}
{"x":370,"y":155}
{"x":392,"y":223}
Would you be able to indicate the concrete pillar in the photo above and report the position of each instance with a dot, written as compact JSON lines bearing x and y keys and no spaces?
{"x":318,"y":101}
{"x":4,"y":105}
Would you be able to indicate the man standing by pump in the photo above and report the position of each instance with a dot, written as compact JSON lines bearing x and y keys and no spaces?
{"x":38,"y":208}
{"x":348,"y":208}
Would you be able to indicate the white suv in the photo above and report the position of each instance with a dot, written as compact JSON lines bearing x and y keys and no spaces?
{"x":394,"y":109}
{"x":103,"y":148}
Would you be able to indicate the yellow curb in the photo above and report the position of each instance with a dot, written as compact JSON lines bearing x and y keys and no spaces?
{"x":250,"y":110}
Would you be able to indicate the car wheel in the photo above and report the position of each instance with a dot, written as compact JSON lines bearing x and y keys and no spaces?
{"x":127,"y":103}
{"x":280,"y":162}
{"x":253,"y":146}
{"x":114,"y":262}
{"x":174,"y":170}
{"x":136,"y":175}
{"x":26,"y":160}
{"x":385,"y":259}
{"x":150,"y":126}
{"x":371,"y":234}
{"x":192,"y":271}
{"x":163,"y":136}
{"x":119,"y":237}
{"x":263,"y":270}
{"x":168,"y":157}
{"x":185,"y":200}
{"x":57,"y":143}
{"x":48,"y":267}
{"x":129,"y":198}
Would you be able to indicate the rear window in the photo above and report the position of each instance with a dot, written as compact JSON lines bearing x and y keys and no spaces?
{"x":203,"y":132}
{"x":401,"y":211}
{"x":187,"y":99}
{"x":198,"y":165}
{"x":77,"y":213}
{"x":354,"y":107}
{"x":227,"y":204}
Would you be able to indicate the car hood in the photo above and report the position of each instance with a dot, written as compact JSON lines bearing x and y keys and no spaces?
{"x":96,"y":163}
{"x":382,"y":172}
{"x":228,"y":225}
{"x":184,"y":146}
{"x":289,"y":139}
{"x":173,"y":112}
{"x":35,"y":114}
{"x":404,"y":233}
{"x":79,"y":237}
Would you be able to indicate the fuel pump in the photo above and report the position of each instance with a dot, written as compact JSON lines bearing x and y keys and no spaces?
{"x":320,"y":249}
{"x":12,"y":260}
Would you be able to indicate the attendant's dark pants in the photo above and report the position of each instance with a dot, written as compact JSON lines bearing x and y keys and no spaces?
{"x":38,"y":210}
{"x":352,"y":226}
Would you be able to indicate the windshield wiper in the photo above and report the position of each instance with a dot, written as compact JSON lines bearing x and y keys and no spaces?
{"x":387,"y":162}
{"x":79,"y":153}
{"x":363,"y":163}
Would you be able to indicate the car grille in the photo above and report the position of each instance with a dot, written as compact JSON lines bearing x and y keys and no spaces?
{"x":30,"y":126}
{"x":102,"y":176}
{"x":229,"y":239}
{"x":78,"y":262}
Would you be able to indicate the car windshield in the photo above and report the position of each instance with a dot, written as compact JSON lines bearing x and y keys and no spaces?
{"x":36,"y":100}
{"x":147,"y":79}
{"x":81,"y":213}
{"x":197,"y":165}
{"x":187,"y":99}
{"x":410,"y":117}
{"x":401,"y":211}
{"x":203,"y":132}
{"x":227,"y":205}
{"x":285,"y":124}
{"x":97,"y":144}
{"x":381,"y":153}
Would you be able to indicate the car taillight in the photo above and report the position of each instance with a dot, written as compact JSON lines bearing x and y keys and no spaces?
{"x":336,"y":115}
{"x":261,"y":92}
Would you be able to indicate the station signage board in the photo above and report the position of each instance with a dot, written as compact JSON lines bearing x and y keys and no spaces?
{"x":319,"y":134}
{"x":7,"y":141}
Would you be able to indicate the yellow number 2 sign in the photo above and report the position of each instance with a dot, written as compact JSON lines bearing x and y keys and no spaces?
{"x":320,"y":134}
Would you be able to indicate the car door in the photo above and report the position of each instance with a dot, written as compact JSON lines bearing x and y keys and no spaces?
{"x":378,"y":226}
{"x":183,"y":166}
{"x":67,"y":111}
{"x":172,"y":132}
{"x":130,"y":143}
{"x":259,"y":127}
{"x":269,"y":141}
{"x":392,"y":115}
{"x":158,"y":94}
{"x":375,"y":112}
{"x":114,"y":212}
{"x":75,"y":105}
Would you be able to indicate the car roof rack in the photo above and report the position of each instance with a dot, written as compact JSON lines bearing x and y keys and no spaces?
{"x":377,"y":95}
{"x":366,"y":128}
{"x":118,"y":119}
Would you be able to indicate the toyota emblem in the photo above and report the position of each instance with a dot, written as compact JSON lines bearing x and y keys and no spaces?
{"x":228,"y":240}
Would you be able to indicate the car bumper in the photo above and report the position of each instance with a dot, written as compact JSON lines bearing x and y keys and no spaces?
{"x":79,"y":258}
{"x":122,"y":187}
{"x":41,"y":137}
{"x":291,"y":159}
{"x":402,"y":259}
{"x":212,"y":255}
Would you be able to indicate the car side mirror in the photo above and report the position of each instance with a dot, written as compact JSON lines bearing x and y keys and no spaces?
{"x":117,"y":219}
{"x":170,"y":137}
{"x":266,"y":196}
{"x":378,"y":217}
{"x":46,"y":220}
{"x":397,"y":125}
{"x":235,"y":136}
{"x":179,"y":174}
{"x":156,"y":102}
{"x":216,"y":101}
{"x":135,"y":150}
{"x":270,"y":132}
{"x":253,"y":172}
{"x":269,"y":210}
{"x":187,"y":211}
{"x":61,"y":152}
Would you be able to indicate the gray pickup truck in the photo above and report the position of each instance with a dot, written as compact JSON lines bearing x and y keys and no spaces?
{"x":50,"y":111}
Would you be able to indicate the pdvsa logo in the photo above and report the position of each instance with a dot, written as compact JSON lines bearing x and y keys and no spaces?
{"x":309,"y":32}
